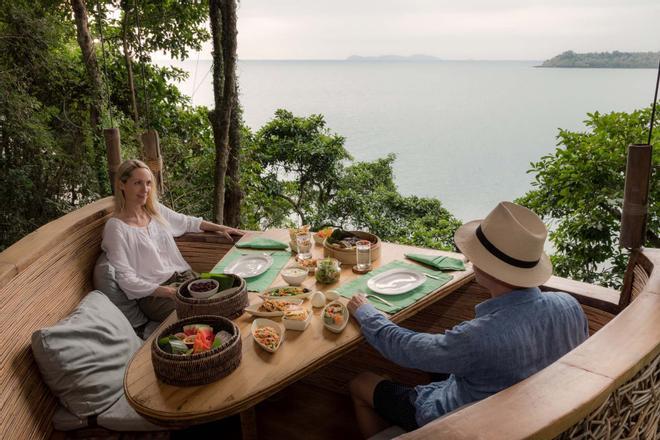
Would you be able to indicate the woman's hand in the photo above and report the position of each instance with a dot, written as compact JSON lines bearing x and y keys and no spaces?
{"x":165,"y":292}
{"x":221,"y":229}
{"x":356,"y":302}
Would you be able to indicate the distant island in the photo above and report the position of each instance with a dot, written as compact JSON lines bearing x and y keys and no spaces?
{"x":616,"y":59}
{"x":393,"y":58}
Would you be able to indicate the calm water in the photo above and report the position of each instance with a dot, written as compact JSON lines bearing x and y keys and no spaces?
{"x":463,"y":131}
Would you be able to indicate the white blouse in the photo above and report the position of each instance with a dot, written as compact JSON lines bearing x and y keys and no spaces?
{"x":144,"y":258}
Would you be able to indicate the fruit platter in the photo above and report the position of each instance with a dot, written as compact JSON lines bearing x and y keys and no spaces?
{"x":195,"y":338}
{"x":196,"y":350}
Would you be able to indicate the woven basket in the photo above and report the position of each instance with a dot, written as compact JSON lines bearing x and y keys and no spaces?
{"x":230,"y":306}
{"x":199,"y":368}
{"x":348,"y":256}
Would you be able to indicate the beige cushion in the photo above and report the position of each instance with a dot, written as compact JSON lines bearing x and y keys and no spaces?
{"x":82,"y":358}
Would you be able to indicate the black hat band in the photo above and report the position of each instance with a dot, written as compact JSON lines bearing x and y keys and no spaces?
{"x":501,"y":255}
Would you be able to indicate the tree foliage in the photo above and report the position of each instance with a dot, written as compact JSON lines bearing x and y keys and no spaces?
{"x":301,"y":172}
{"x":579,"y":190}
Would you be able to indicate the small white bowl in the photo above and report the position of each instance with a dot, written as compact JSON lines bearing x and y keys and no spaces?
{"x":332,"y":327}
{"x":263,"y":322}
{"x":205,"y":294}
{"x":294,"y":324}
{"x":294,"y":275}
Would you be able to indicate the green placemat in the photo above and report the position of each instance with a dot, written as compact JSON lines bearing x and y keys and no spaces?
{"x":400,"y":301}
{"x":439,"y":262}
{"x":262,"y":243}
{"x":261,"y":282}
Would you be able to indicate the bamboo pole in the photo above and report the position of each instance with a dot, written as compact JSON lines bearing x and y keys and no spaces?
{"x":153,"y":158}
{"x":113,"y":149}
{"x":636,"y":196}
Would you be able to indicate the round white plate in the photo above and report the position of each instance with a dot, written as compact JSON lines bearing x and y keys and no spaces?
{"x":396,"y":281}
{"x":249,"y":266}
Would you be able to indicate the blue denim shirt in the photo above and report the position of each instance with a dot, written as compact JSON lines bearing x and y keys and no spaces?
{"x":512,"y":337}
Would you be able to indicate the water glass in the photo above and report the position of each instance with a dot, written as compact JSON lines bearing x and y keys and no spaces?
{"x":363,"y":254}
{"x":304,"y":244}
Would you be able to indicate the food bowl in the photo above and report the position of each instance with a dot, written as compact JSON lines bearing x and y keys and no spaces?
{"x":348,"y":255}
{"x":320,"y":236}
{"x":260,"y":323}
{"x":292,"y":319}
{"x":330,"y":315}
{"x":203,"y":288}
{"x":294,"y":275}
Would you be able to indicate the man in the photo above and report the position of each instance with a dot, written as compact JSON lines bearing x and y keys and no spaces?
{"x":515,"y":333}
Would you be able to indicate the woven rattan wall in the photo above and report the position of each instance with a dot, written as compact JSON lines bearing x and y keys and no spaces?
{"x":52,"y":274}
{"x":630,"y":412}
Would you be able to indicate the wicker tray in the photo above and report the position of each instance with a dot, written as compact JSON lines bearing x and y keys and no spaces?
{"x":229,"y":306}
{"x":348,"y":256}
{"x":199,"y":368}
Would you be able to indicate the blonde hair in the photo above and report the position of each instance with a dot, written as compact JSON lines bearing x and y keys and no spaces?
{"x":124,"y":173}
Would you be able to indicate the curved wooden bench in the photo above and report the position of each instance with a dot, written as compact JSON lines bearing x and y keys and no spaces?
{"x":43,"y":277}
{"x":608,"y":387}
{"x":46,"y":274}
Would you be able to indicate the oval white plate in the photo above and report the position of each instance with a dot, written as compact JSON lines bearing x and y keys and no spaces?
{"x":396,"y":281}
{"x":268,"y":293}
{"x":249,"y":266}
{"x":253,"y":309}
{"x":262,"y":322}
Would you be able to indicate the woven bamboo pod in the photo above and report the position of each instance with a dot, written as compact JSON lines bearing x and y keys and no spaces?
{"x":230,"y":306}
{"x":200,"y":368}
{"x":632,"y":411}
{"x":348,"y":256}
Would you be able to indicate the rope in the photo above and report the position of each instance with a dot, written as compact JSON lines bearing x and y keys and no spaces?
{"x":655,"y":101}
{"x":144,"y":79}
{"x":105,"y":63}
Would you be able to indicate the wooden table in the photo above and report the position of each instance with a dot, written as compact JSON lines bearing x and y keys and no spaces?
{"x":260,"y":373}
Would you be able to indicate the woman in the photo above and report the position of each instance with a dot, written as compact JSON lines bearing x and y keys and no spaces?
{"x":139,"y":241}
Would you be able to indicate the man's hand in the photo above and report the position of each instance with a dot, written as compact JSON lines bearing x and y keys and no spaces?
{"x":356,"y":302}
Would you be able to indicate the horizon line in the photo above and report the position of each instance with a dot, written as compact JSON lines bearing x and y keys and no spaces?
{"x":360,"y":61}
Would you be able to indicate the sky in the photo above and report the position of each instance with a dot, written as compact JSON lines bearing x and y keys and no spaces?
{"x":467,"y":29}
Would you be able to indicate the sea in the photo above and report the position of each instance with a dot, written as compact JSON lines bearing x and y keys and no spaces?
{"x":464,"y":132}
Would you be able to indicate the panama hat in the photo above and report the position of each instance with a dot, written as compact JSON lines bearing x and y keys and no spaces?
{"x":507,"y":245}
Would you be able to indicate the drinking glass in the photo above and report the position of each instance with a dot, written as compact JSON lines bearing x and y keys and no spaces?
{"x":363,"y":254}
{"x":304,"y":243}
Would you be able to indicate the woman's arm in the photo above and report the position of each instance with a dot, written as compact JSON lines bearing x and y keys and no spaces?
{"x":222,"y":229}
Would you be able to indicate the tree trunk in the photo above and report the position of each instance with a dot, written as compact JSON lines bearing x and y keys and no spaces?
{"x":234,"y":194}
{"x":91,"y":66}
{"x":129,"y":63}
{"x":222,"y":15}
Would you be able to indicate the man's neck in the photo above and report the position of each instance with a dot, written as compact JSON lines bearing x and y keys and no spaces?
{"x":499,"y":290}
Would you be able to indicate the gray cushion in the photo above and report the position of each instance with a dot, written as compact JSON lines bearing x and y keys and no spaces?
{"x":122,"y":417}
{"x":82,"y":358}
{"x":104,"y":280}
{"x":63,"y":420}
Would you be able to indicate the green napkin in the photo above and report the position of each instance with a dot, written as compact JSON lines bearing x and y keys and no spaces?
{"x":261,"y":243}
{"x":440,"y":262}
{"x":260,"y":282}
{"x":399,"y":301}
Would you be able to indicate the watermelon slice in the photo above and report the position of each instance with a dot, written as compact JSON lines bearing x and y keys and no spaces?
{"x":192,"y":328}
